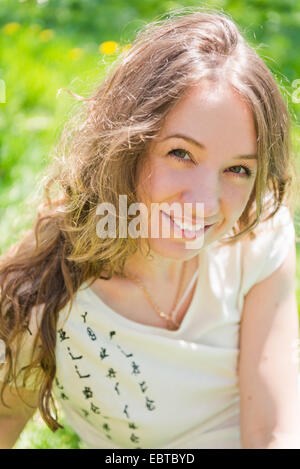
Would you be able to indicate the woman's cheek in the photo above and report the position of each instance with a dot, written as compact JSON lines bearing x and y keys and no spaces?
{"x":233,"y":200}
{"x":163,"y":184}
{"x":241,"y":199}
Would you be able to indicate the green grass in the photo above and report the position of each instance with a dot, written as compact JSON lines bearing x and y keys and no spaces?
{"x":38,"y":435}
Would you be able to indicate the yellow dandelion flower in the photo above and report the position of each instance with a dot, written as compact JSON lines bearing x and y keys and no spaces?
{"x":11,"y":28}
{"x":46,"y":35}
{"x":108,"y":47}
{"x":75,"y":54}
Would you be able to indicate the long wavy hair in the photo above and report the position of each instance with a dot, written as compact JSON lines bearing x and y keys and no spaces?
{"x":99,"y":156}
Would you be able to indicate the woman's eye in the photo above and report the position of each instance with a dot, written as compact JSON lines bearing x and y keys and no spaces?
{"x":179,"y":154}
{"x":247,"y":171}
{"x":182,"y":155}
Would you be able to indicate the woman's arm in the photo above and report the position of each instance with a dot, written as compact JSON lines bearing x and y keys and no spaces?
{"x":268,"y":365}
{"x":280,"y":441}
{"x":14,"y":419}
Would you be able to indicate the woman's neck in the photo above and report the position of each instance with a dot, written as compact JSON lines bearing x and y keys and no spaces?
{"x":157,"y":269}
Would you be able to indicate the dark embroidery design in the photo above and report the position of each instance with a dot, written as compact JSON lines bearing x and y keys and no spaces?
{"x":87,"y":392}
{"x":79,"y":374}
{"x":95,"y":409}
{"x":62,"y":335}
{"x":91,"y":334}
{"x":84,"y":316}
{"x":61,"y":388}
{"x":111,"y":374}
{"x":72,"y":356}
{"x":103,"y":353}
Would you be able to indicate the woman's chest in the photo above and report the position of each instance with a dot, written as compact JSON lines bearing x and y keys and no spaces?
{"x":151,"y":308}
{"x":133,"y":388}
{"x":140,"y":309}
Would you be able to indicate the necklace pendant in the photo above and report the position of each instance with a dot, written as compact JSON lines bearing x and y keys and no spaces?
{"x":172,"y":326}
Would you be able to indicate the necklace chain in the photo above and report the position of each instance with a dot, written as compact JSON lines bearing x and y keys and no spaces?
{"x":172,"y":323}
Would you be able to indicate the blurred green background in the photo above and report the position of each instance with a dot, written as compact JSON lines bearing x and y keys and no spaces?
{"x":52,"y":44}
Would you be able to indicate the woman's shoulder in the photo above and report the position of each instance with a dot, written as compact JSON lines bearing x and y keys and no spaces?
{"x":258,"y":256}
{"x":265,"y":253}
{"x":272,"y":230}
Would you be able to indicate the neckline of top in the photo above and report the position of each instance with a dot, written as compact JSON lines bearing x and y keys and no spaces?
{"x":130,"y":324}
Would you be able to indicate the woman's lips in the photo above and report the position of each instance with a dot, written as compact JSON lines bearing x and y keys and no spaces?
{"x":184,"y":233}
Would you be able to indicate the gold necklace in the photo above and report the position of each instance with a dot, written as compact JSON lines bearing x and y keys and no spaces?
{"x":171,"y":324}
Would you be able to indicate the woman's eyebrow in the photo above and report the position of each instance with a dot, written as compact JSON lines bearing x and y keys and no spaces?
{"x":200,"y":145}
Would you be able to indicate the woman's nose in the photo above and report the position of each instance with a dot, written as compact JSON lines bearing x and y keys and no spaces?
{"x":206,"y":192}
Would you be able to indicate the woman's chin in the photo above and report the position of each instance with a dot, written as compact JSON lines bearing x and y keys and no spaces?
{"x":172,"y":248}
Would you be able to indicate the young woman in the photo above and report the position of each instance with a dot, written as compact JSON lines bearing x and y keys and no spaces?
{"x":144,"y":341}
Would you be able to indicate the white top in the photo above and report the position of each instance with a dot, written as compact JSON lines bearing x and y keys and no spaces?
{"x":123,"y":384}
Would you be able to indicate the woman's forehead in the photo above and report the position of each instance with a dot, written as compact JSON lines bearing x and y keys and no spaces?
{"x":200,"y":115}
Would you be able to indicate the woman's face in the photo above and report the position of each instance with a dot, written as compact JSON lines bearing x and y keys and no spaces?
{"x":209,"y":163}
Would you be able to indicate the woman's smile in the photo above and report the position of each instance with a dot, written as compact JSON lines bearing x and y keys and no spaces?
{"x":186,"y":230}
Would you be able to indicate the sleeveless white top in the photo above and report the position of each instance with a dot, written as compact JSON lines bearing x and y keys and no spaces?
{"x":123,"y":384}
